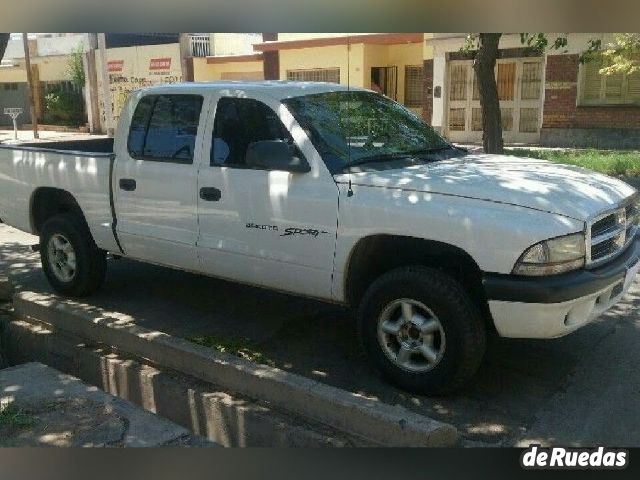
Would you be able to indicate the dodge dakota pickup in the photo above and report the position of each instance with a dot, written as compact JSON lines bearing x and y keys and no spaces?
{"x":339,"y":194}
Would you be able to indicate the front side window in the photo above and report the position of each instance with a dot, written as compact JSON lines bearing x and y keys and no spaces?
{"x":354,"y":128}
{"x":240,"y":122}
{"x":164,"y":128}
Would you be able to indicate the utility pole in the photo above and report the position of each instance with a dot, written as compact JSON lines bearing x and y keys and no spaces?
{"x":91,"y":83}
{"x":32,"y":103}
{"x":186,"y":62}
{"x":106,"y":91}
{"x":270,"y":60}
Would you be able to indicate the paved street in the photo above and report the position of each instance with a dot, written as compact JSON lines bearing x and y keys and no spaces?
{"x":583,"y":389}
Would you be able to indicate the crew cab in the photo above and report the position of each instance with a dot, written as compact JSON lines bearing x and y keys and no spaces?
{"x":339,"y":194}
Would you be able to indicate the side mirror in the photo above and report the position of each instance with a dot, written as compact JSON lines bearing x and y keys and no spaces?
{"x":275,"y":155}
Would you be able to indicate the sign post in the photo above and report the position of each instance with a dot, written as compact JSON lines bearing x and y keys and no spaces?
{"x":14,"y":113}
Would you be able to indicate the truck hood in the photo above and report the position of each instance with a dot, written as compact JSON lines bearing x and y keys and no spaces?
{"x":538,"y":184}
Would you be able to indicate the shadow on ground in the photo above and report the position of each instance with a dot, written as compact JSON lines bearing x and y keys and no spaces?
{"x":517,"y":381}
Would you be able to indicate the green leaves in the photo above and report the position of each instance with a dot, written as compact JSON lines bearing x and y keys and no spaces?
{"x":538,"y":43}
{"x":75,"y":67}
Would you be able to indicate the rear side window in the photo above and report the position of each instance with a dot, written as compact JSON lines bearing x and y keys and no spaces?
{"x":164,"y":128}
{"x":239,"y":122}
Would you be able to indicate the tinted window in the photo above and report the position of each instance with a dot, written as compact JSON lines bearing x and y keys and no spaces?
{"x":164,"y":128}
{"x":139,"y":123}
{"x":239,"y":122}
{"x":352,"y":128}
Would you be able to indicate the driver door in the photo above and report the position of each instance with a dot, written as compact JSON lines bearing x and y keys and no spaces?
{"x":155,"y":180}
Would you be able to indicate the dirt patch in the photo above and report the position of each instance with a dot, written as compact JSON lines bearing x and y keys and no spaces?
{"x":71,"y":423}
{"x":240,"y":346}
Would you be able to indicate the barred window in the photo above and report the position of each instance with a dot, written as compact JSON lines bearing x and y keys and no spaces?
{"x":331,"y":75}
{"x":413,"y":85}
{"x":458,"y":82}
{"x":506,"y":80}
{"x":597,"y":89}
{"x":531,"y":80}
{"x":456,"y":119}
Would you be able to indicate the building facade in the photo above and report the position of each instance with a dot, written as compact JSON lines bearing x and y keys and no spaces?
{"x":136,"y":66}
{"x":391,"y":63}
{"x":49,"y":55}
{"x":551,"y":99}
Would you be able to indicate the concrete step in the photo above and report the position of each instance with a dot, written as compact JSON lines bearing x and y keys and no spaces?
{"x":59,"y":410}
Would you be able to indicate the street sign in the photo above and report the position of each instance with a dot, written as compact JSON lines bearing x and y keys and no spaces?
{"x":14,"y":112}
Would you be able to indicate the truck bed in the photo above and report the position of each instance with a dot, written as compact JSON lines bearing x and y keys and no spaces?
{"x":81,"y":168}
{"x":90,"y":145}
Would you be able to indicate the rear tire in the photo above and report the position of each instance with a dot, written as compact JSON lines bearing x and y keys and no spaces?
{"x":71,"y":260}
{"x":421,"y":330}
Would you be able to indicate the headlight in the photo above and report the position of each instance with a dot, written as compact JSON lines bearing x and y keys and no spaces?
{"x":557,"y":255}
{"x":633,"y":213}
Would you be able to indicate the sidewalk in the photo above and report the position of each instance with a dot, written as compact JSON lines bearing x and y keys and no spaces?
{"x":7,"y":136}
{"x":42,"y":407}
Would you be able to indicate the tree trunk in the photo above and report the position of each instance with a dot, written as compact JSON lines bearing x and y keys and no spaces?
{"x":484,"y":66}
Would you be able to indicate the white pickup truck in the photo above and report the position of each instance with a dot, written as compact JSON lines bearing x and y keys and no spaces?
{"x":338,"y":194}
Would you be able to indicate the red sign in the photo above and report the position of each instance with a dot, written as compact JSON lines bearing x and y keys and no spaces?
{"x":160,"y":64}
{"x":115,"y":65}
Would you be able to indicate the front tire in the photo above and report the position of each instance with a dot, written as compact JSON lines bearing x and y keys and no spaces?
{"x":71,"y":260}
{"x":421,"y":330}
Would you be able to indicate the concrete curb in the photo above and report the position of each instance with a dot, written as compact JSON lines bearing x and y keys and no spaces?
{"x":369,"y":419}
{"x":203,"y":408}
{"x":6,"y":288}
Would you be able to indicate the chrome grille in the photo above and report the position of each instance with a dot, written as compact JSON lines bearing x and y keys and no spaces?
{"x":633,"y":211}
{"x":609,"y":233}
{"x":603,"y":225}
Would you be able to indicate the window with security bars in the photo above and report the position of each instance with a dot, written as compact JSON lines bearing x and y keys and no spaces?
{"x":413,"y":85}
{"x":458,"y":90}
{"x":531,"y":81}
{"x":331,"y":75}
{"x":615,"y":89}
{"x":528,"y":120}
{"x":456,"y":119}
{"x":505,"y":113}
{"x":507,"y":119}
{"x":506,"y":80}
{"x":476,"y":119}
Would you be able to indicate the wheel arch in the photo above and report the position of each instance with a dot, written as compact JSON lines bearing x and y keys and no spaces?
{"x":49,"y":201}
{"x":376,"y":255}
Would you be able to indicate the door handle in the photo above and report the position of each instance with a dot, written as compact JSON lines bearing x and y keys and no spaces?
{"x":210,"y":194}
{"x":127,"y":184}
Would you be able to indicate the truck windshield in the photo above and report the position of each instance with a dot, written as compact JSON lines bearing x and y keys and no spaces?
{"x":357,"y":128}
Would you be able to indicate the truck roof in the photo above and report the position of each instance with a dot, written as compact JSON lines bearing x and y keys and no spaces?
{"x":279,"y":89}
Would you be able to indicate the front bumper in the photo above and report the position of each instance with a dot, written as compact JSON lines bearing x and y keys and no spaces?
{"x":549,"y":307}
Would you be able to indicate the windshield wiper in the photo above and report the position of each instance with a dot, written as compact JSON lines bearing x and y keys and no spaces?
{"x":424,"y":151}
{"x":413,"y":154}
{"x":378,"y":158}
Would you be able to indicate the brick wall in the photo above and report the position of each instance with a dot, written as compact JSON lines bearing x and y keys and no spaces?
{"x":561,"y":110}
{"x":427,"y":106}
